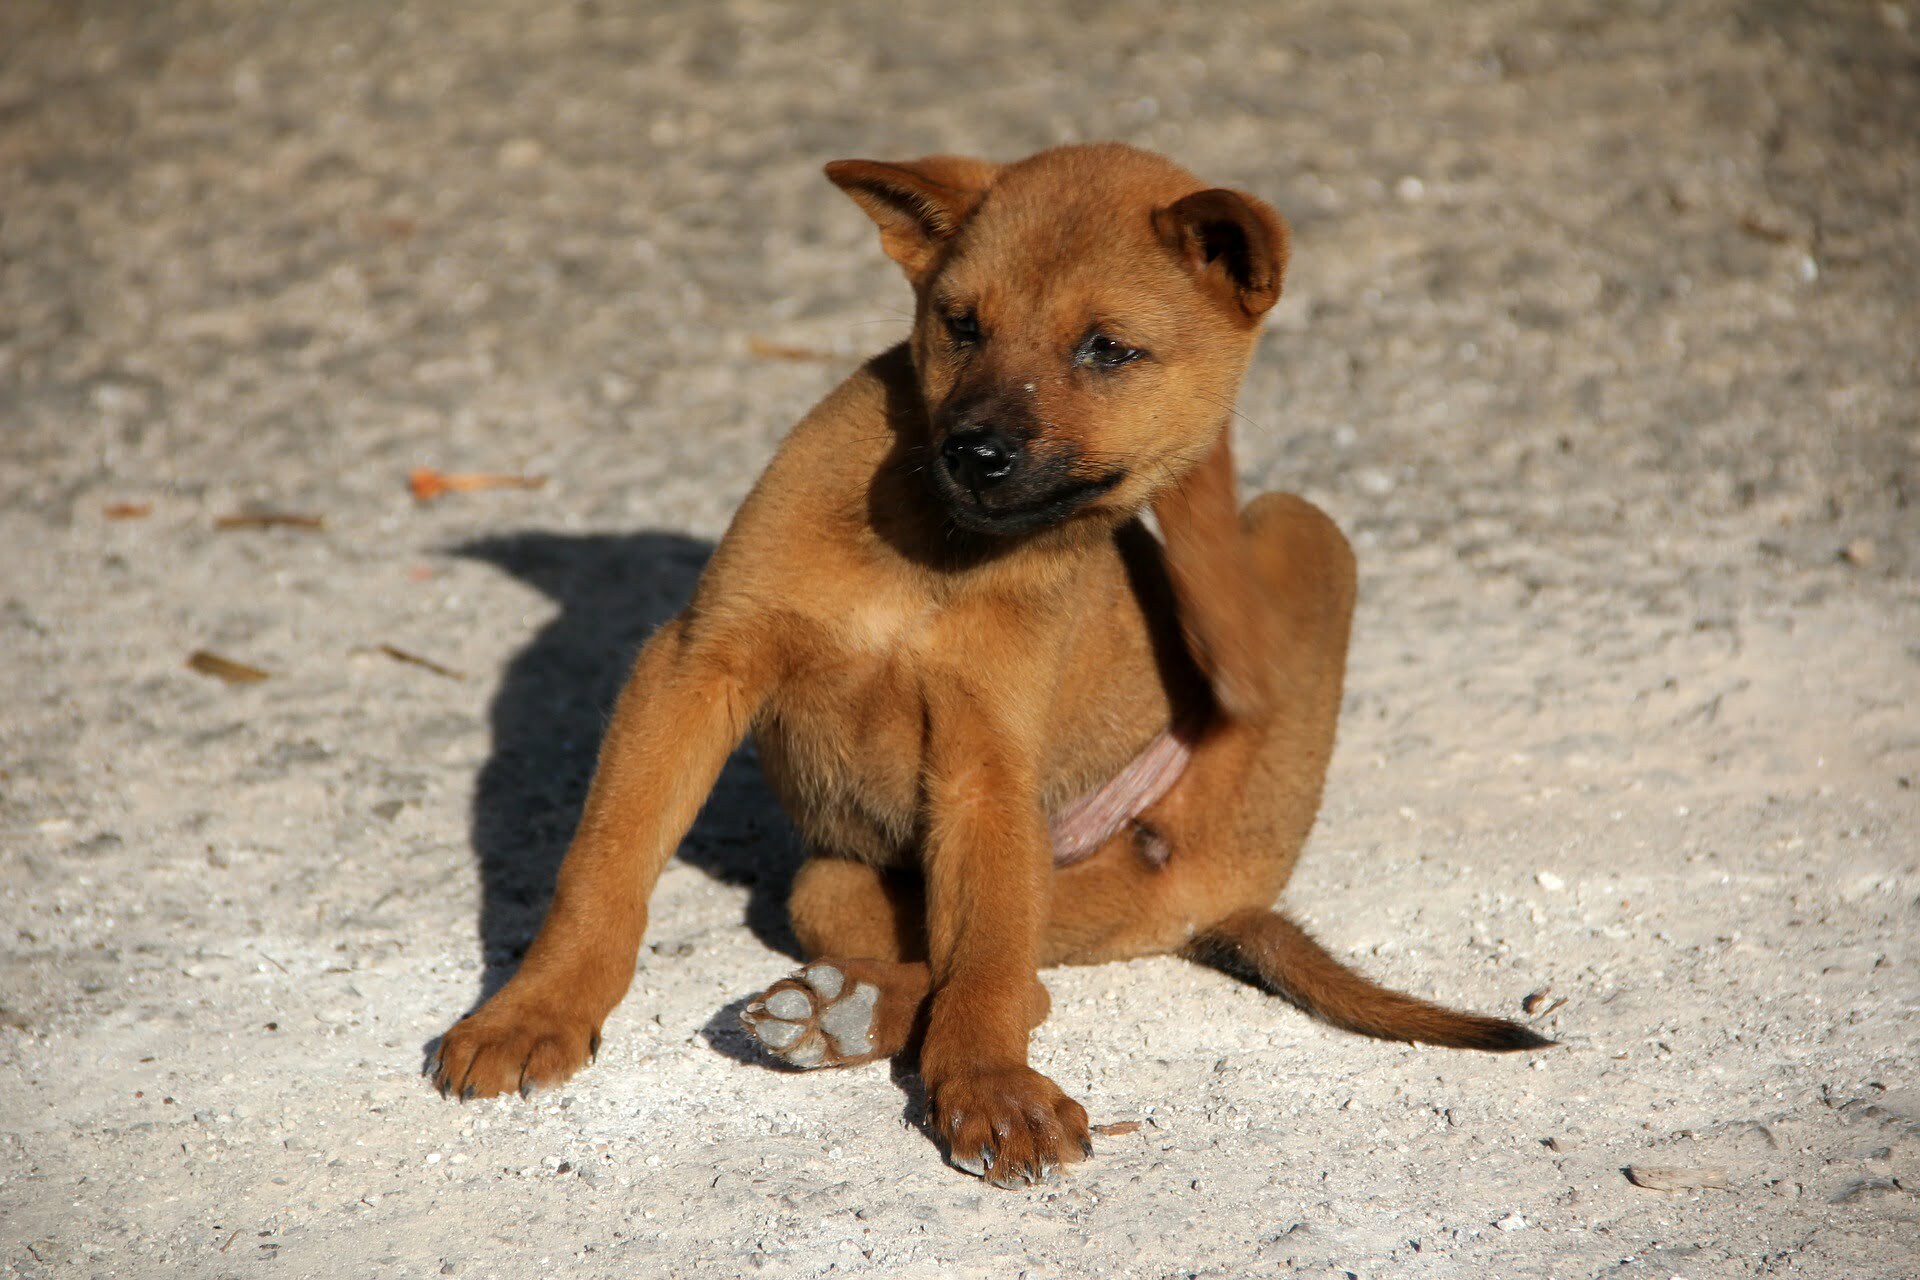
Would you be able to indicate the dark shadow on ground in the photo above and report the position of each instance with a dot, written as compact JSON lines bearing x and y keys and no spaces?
{"x":724,"y":1034}
{"x":613,"y":591}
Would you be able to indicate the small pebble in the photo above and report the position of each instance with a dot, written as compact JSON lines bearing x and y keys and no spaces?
{"x":1376,"y":483}
{"x":519,"y":153}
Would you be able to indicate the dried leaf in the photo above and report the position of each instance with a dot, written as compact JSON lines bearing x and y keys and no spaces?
{"x":413,"y":659}
{"x":1759,"y":230}
{"x":1535,"y":999}
{"x":270,"y":520}
{"x":389,"y":226}
{"x":426,"y":484}
{"x":767,"y":349}
{"x":1669,"y":1178}
{"x":127,"y":510}
{"x":212,"y":664}
{"x":1117,"y":1129}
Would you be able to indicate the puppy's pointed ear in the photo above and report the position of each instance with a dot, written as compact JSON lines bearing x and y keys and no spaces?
{"x":1235,"y":243}
{"x":917,"y":205}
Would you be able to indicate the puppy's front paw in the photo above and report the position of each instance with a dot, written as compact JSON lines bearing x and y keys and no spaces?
{"x":511,"y":1047}
{"x":826,"y":1015}
{"x":1013,"y":1127}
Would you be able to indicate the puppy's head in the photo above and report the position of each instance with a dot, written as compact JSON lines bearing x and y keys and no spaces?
{"x":1083,"y":320}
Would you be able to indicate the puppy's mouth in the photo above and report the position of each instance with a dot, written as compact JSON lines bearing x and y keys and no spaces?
{"x":1038,"y":501}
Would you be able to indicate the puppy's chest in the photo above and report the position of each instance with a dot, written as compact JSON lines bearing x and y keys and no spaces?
{"x":843,"y":738}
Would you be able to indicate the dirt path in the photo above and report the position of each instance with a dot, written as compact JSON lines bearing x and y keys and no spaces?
{"x":1603,"y":342}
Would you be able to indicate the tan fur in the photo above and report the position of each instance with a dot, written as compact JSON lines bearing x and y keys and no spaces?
{"x":926,"y":695}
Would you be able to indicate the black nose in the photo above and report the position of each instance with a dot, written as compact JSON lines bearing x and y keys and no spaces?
{"x":979,"y":458}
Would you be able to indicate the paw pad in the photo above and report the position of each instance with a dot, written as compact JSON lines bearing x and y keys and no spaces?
{"x":815,"y":1018}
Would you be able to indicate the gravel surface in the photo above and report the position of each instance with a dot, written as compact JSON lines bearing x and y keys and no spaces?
{"x":1602,"y":341}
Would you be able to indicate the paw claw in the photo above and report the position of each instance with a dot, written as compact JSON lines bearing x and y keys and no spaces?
{"x":976,"y":1166}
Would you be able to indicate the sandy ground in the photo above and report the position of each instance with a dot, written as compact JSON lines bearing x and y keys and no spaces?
{"x":1602,"y":341}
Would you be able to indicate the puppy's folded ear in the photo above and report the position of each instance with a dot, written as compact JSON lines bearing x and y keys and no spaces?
{"x":1235,"y":243}
{"x":917,"y":205}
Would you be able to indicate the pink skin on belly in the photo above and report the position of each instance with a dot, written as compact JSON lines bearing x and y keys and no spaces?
{"x":1092,"y":820}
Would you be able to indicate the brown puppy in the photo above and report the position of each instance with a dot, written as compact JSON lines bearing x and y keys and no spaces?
{"x":1014,"y":729}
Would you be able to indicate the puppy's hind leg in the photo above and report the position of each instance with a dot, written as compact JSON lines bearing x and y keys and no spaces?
{"x":863,"y":994}
{"x":1305,"y":574}
{"x":839,"y":1012}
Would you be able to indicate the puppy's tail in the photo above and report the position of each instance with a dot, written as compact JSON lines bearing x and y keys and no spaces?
{"x":1275,"y":954}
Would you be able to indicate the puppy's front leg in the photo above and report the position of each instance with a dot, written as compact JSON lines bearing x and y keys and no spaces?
{"x":988,"y":871}
{"x":686,"y":705}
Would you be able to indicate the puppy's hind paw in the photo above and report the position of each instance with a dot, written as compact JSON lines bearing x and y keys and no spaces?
{"x":823,"y":1016}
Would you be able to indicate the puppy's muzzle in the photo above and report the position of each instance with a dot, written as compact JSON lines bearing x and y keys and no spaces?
{"x":993,"y":474}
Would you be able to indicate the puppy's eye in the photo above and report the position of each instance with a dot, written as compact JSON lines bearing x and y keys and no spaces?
{"x":1103,"y":352}
{"x":964,"y":326}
